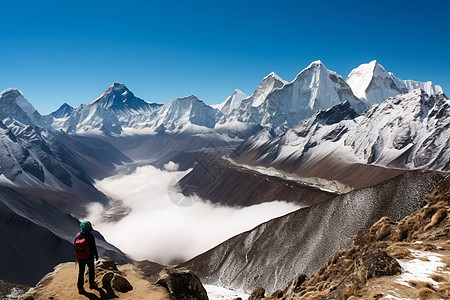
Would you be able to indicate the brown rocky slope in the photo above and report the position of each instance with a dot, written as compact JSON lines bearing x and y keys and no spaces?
{"x":409,"y":259}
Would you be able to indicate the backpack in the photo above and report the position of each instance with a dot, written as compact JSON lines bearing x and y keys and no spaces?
{"x":81,"y":245}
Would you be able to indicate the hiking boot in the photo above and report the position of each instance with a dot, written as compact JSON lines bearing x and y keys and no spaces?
{"x":93,"y":285}
{"x":81,"y":290}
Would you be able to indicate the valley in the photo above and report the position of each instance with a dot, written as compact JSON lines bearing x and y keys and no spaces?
{"x":247,"y":193}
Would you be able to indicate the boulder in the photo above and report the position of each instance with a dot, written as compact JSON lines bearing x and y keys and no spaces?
{"x":182,"y":284}
{"x":106,"y":280}
{"x":278,"y":294}
{"x":294,"y":286}
{"x":257,"y":294}
{"x":106,"y":263}
{"x":120,"y":283}
{"x":376,"y":264}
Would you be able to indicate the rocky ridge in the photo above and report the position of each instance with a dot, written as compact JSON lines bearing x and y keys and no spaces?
{"x":406,"y":259}
{"x":118,"y":281}
{"x":123,"y":282}
{"x":408,"y":131}
{"x":274,"y":252}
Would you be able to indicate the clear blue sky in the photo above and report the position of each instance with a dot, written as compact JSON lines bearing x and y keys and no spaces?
{"x":71,"y":51}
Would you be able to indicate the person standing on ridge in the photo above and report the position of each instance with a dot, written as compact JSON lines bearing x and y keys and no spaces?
{"x":85,"y":252}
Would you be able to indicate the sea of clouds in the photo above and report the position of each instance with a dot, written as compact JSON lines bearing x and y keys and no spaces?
{"x":166,"y":227}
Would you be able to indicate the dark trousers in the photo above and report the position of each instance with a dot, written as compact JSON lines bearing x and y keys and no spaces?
{"x":82,"y":267}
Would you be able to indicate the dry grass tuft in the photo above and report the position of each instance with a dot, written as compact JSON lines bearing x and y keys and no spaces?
{"x":438,"y":278}
{"x":420,"y":284}
{"x":445,"y":288}
{"x":427,"y":294}
{"x":349,"y":290}
{"x":446,"y":260}
{"x":426,"y":246}
{"x":398,"y":251}
{"x":437,"y":218}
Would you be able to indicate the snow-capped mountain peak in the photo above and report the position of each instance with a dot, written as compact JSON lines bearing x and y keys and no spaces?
{"x":14,"y":104}
{"x":122,"y":101}
{"x":315,"y":63}
{"x":406,"y":131}
{"x":314,"y":88}
{"x":372,"y":84}
{"x":118,"y":86}
{"x":63,"y":111}
{"x":108,"y":98}
{"x":184,"y":114}
{"x":232,"y":102}
{"x":267,"y":85}
{"x":275,"y":76}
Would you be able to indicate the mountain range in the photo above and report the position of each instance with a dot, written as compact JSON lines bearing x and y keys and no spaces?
{"x":324,"y":142}
{"x":275,"y":104}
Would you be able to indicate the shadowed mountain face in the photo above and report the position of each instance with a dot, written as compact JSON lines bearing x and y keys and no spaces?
{"x":36,"y":159}
{"x":36,"y":237}
{"x":275,"y":252}
{"x":218,"y":180}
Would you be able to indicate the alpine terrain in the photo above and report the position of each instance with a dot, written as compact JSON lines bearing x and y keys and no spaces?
{"x":362,"y":162}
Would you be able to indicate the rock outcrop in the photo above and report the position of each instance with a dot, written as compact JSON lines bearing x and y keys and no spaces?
{"x":124,"y":282}
{"x":257,"y":294}
{"x":182,"y":284}
{"x":376,"y":264}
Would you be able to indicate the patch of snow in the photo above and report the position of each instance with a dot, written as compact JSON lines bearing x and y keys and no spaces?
{"x":5,"y":180}
{"x":221,"y":293}
{"x":233,"y":102}
{"x":388,"y":296}
{"x":420,"y":270}
{"x":130,"y":131}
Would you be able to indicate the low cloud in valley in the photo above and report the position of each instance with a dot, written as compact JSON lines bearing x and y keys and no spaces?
{"x":159,"y":230}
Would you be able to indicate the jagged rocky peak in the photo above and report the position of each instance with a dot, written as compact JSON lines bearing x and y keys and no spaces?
{"x":119,"y":98}
{"x":63,"y":111}
{"x":428,"y":86}
{"x":274,"y":76}
{"x":326,"y":87}
{"x":118,"y":86}
{"x":187,"y":102}
{"x":114,"y":95}
{"x":14,"y":104}
{"x":232,"y":102}
{"x":11,"y":92}
{"x":373,"y":84}
{"x":315,"y":88}
{"x":267,"y":85}
{"x":180,"y":113}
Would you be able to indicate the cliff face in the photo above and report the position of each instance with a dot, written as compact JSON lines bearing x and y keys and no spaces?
{"x":301,"y":242}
